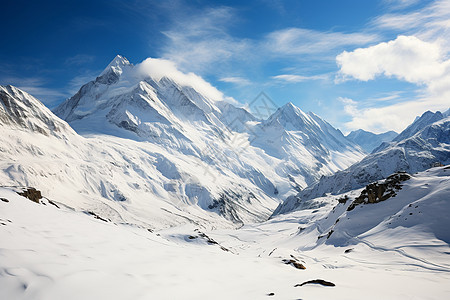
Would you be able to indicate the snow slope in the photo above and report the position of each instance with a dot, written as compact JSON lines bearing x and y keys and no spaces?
{"x":374,"y":253}
{"x":368,"y":140}
{"x":423,"y":146}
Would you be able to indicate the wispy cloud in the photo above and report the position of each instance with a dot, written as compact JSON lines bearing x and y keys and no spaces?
{"x":431,"y":23}
{"x":400,"y":4}
{"x":297,"y":41}
{"x":36,"y":86}
{"x":299,"y":78}
{"x":236,"y":80}
{"x":197,"y":42}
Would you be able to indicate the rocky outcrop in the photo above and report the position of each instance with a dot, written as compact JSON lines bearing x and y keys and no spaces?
{"x":32,"y":194}
{"x":377,"y":192}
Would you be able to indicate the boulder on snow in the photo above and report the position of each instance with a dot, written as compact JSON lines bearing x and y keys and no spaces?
{"x":316,"y":281}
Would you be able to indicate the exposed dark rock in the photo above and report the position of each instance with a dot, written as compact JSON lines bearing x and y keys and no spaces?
{"x":377,"y":192}
{"x":271,"y":294}
{"x":271,"y":252}
{"x":209,"y":240}
{"x":294,"y":263}
{"x":343,"y":200}
{"x":53,"y":203}
{"x":98,"y":217}
{"x":330,"y":233}
{"x":32,"y":194}
{"x":348,"y":250}
{"x":316,"y":281}
{"x":4,"y":200}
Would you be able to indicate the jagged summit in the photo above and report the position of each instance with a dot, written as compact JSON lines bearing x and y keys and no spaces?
{"x":290,"y":117}
{"x":116,"y":65}
{"x":425,"y":119}
{"x":114,"y":70}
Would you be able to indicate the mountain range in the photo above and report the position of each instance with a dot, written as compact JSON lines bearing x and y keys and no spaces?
{"x":152,"y":148}
{"x":144,"y":181}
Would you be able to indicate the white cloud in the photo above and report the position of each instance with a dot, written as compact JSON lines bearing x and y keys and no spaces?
{"x":158,"y":68}
{"x":406,"y":58}
{"x":296,"y":41}
{"x":298,"y":78}
{"x":393,"y":117}
{"x":236,"y":80}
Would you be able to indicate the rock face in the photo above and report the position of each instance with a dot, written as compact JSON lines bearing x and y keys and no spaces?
{"x":377,"y":192}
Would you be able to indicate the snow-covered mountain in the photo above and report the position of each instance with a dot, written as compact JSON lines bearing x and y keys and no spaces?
{"x":155,"y":143}
{"x":426,"y":143}
{"x":368,"y":140}
{"x":124,"y":180}
{"x":309,"y":146}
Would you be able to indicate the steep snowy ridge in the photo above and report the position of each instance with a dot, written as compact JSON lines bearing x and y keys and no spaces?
{"x":368,"y":140}
{"x":419,"y":123}
{"x":428,"y":146}
{"x":21,"y":110}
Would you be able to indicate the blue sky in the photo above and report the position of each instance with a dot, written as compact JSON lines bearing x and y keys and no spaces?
{"x":359,"y":64}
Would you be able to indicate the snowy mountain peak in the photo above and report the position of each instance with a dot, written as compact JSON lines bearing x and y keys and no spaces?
{"x":290,"y":117}
{"x":116,"y":65}
{"x":114,"y":70}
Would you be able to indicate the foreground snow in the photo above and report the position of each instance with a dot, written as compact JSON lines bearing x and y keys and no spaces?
{"x":56,"y":253}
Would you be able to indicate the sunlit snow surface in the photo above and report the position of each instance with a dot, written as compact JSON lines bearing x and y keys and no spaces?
{"x":399,"y":250}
